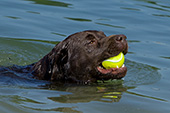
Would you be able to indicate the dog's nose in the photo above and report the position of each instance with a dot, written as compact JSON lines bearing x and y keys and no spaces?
{"x":120,"y":38}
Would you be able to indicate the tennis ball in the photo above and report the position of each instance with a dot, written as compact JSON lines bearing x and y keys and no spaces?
{"x":114,"y":62}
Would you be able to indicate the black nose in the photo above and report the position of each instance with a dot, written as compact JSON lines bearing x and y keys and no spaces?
{"x":120,"y":38}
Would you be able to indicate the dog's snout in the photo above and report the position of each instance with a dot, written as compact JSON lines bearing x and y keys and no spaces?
{"x":120,"y":42}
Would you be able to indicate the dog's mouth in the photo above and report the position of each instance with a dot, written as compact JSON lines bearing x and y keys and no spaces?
{"x":112,"y":73}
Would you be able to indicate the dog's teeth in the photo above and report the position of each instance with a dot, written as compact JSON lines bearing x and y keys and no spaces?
{"x":123,"y":65}
{"x":100,"y":67}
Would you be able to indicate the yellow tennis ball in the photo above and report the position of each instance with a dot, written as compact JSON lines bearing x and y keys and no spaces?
{"x":114,"y":62}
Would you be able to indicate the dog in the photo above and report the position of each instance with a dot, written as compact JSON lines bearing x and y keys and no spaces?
{"x":78,"y":59}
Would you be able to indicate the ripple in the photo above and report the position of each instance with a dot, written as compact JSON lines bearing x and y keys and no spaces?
{"x":109,"y":25}
{"x":33,"y":12}
{"x":161,"y":15}
{"x":79,"y":19}
{"x":134,"y":9}
{"x":141,"y":74}
{"x":165,"y":57}
{"x":13,"y":17}
{"x":51,"y":3}
{"x":59,"y":34}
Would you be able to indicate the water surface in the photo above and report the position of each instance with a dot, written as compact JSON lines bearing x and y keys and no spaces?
{"x":29,"y":29}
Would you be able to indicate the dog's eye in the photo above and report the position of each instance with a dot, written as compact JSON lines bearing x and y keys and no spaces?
{"x":90,"y":39}
{"x":92,"y":42}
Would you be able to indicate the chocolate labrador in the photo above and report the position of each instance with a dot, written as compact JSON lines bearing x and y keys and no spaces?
{"x":78,"y":59}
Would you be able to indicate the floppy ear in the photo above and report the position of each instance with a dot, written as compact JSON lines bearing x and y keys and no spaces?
{"x":59,"y":64}
{"x":51,"y":66}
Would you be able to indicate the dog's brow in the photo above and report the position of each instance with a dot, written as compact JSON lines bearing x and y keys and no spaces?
{"x":90,"y":36}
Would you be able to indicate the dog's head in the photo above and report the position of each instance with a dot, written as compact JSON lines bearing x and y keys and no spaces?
{"x":78,"y":58}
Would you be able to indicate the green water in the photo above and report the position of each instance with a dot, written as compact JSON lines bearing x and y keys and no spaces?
{"x":29,"y":29}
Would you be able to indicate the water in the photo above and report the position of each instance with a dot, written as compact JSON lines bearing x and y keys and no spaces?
{"x":29,"y":29}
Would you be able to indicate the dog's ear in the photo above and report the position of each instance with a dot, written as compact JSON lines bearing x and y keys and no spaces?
{"x":50,"y":67}
{"x":59,"y":64}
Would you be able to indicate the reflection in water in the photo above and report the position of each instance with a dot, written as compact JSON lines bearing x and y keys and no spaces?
{"x":50,"y":2}
{"x":104,"y":92}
